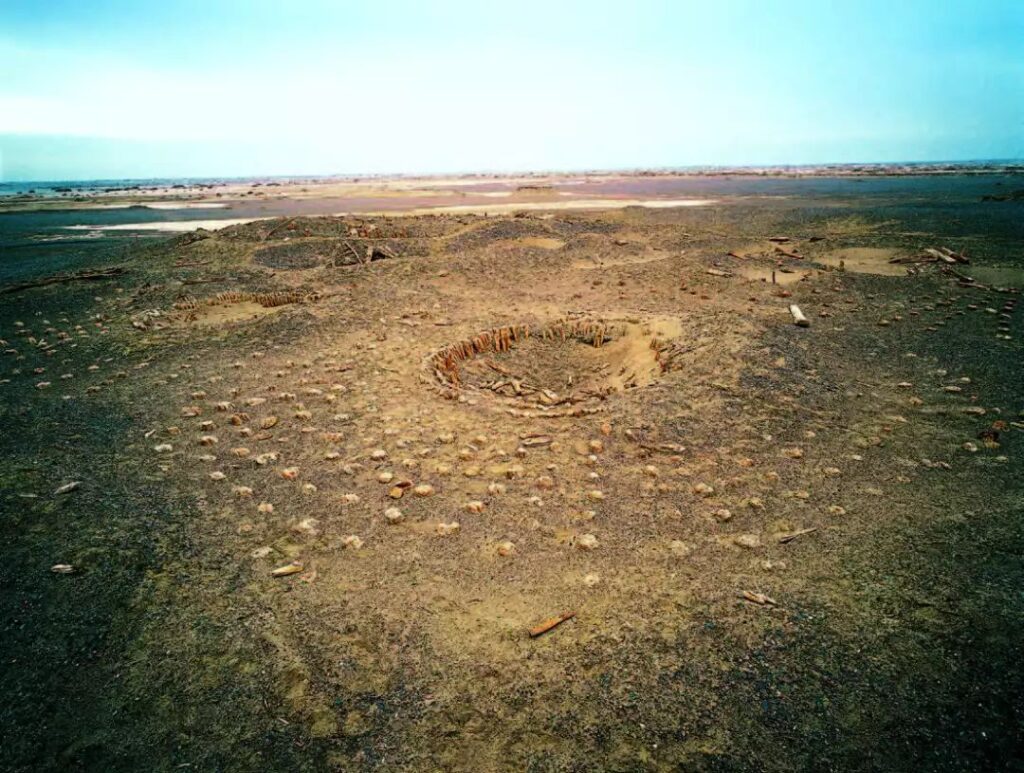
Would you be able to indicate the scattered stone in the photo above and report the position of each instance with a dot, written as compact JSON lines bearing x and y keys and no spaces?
{"x":747,"y":541}
{"x":679,"y":549}
{"x":703,"y":490}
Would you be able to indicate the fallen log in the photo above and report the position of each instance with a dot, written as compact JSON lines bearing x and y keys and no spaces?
{"x":550,"y":623}
{"x":81,"y":276}
{"x":788,"y":253}
{"x":758,"y":598}
{"x":942,"y":256}
{"x":959,"y":257}
{"x":787,"y":538}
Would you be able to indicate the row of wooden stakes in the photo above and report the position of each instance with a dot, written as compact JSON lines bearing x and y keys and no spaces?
{"x":501,"y":339}
{"x":267,"y":300}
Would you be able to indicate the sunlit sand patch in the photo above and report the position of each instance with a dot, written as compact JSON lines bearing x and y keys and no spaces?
{"x":864,"y":260}
{"x":627,"y":260}
{"x":227,"y":313}
{"x":543,"y":242}
{"x":774,"y":274}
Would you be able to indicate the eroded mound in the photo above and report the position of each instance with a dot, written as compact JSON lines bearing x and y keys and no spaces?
{"x":563,"y":363}
{"x":312,"y":253}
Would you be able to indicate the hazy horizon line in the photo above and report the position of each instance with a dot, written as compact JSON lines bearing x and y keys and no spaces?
{"x":667,"y":169}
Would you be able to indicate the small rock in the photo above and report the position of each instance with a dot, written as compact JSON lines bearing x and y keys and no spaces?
{"x":747,"y":541}
{"x":679,"y":549}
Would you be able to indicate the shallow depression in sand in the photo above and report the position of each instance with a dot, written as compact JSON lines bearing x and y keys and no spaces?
{"x":562,"y":363}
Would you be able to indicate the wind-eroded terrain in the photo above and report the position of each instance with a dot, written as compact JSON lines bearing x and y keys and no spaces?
{"x":329,"y":472}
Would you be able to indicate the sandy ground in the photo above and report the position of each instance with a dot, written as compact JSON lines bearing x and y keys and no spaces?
{"x":333,"y":471}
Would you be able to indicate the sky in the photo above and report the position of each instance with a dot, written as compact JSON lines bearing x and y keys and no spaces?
{"x":198,"y":88}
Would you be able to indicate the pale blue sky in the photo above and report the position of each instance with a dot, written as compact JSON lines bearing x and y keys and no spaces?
{"x":110,"y":88}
